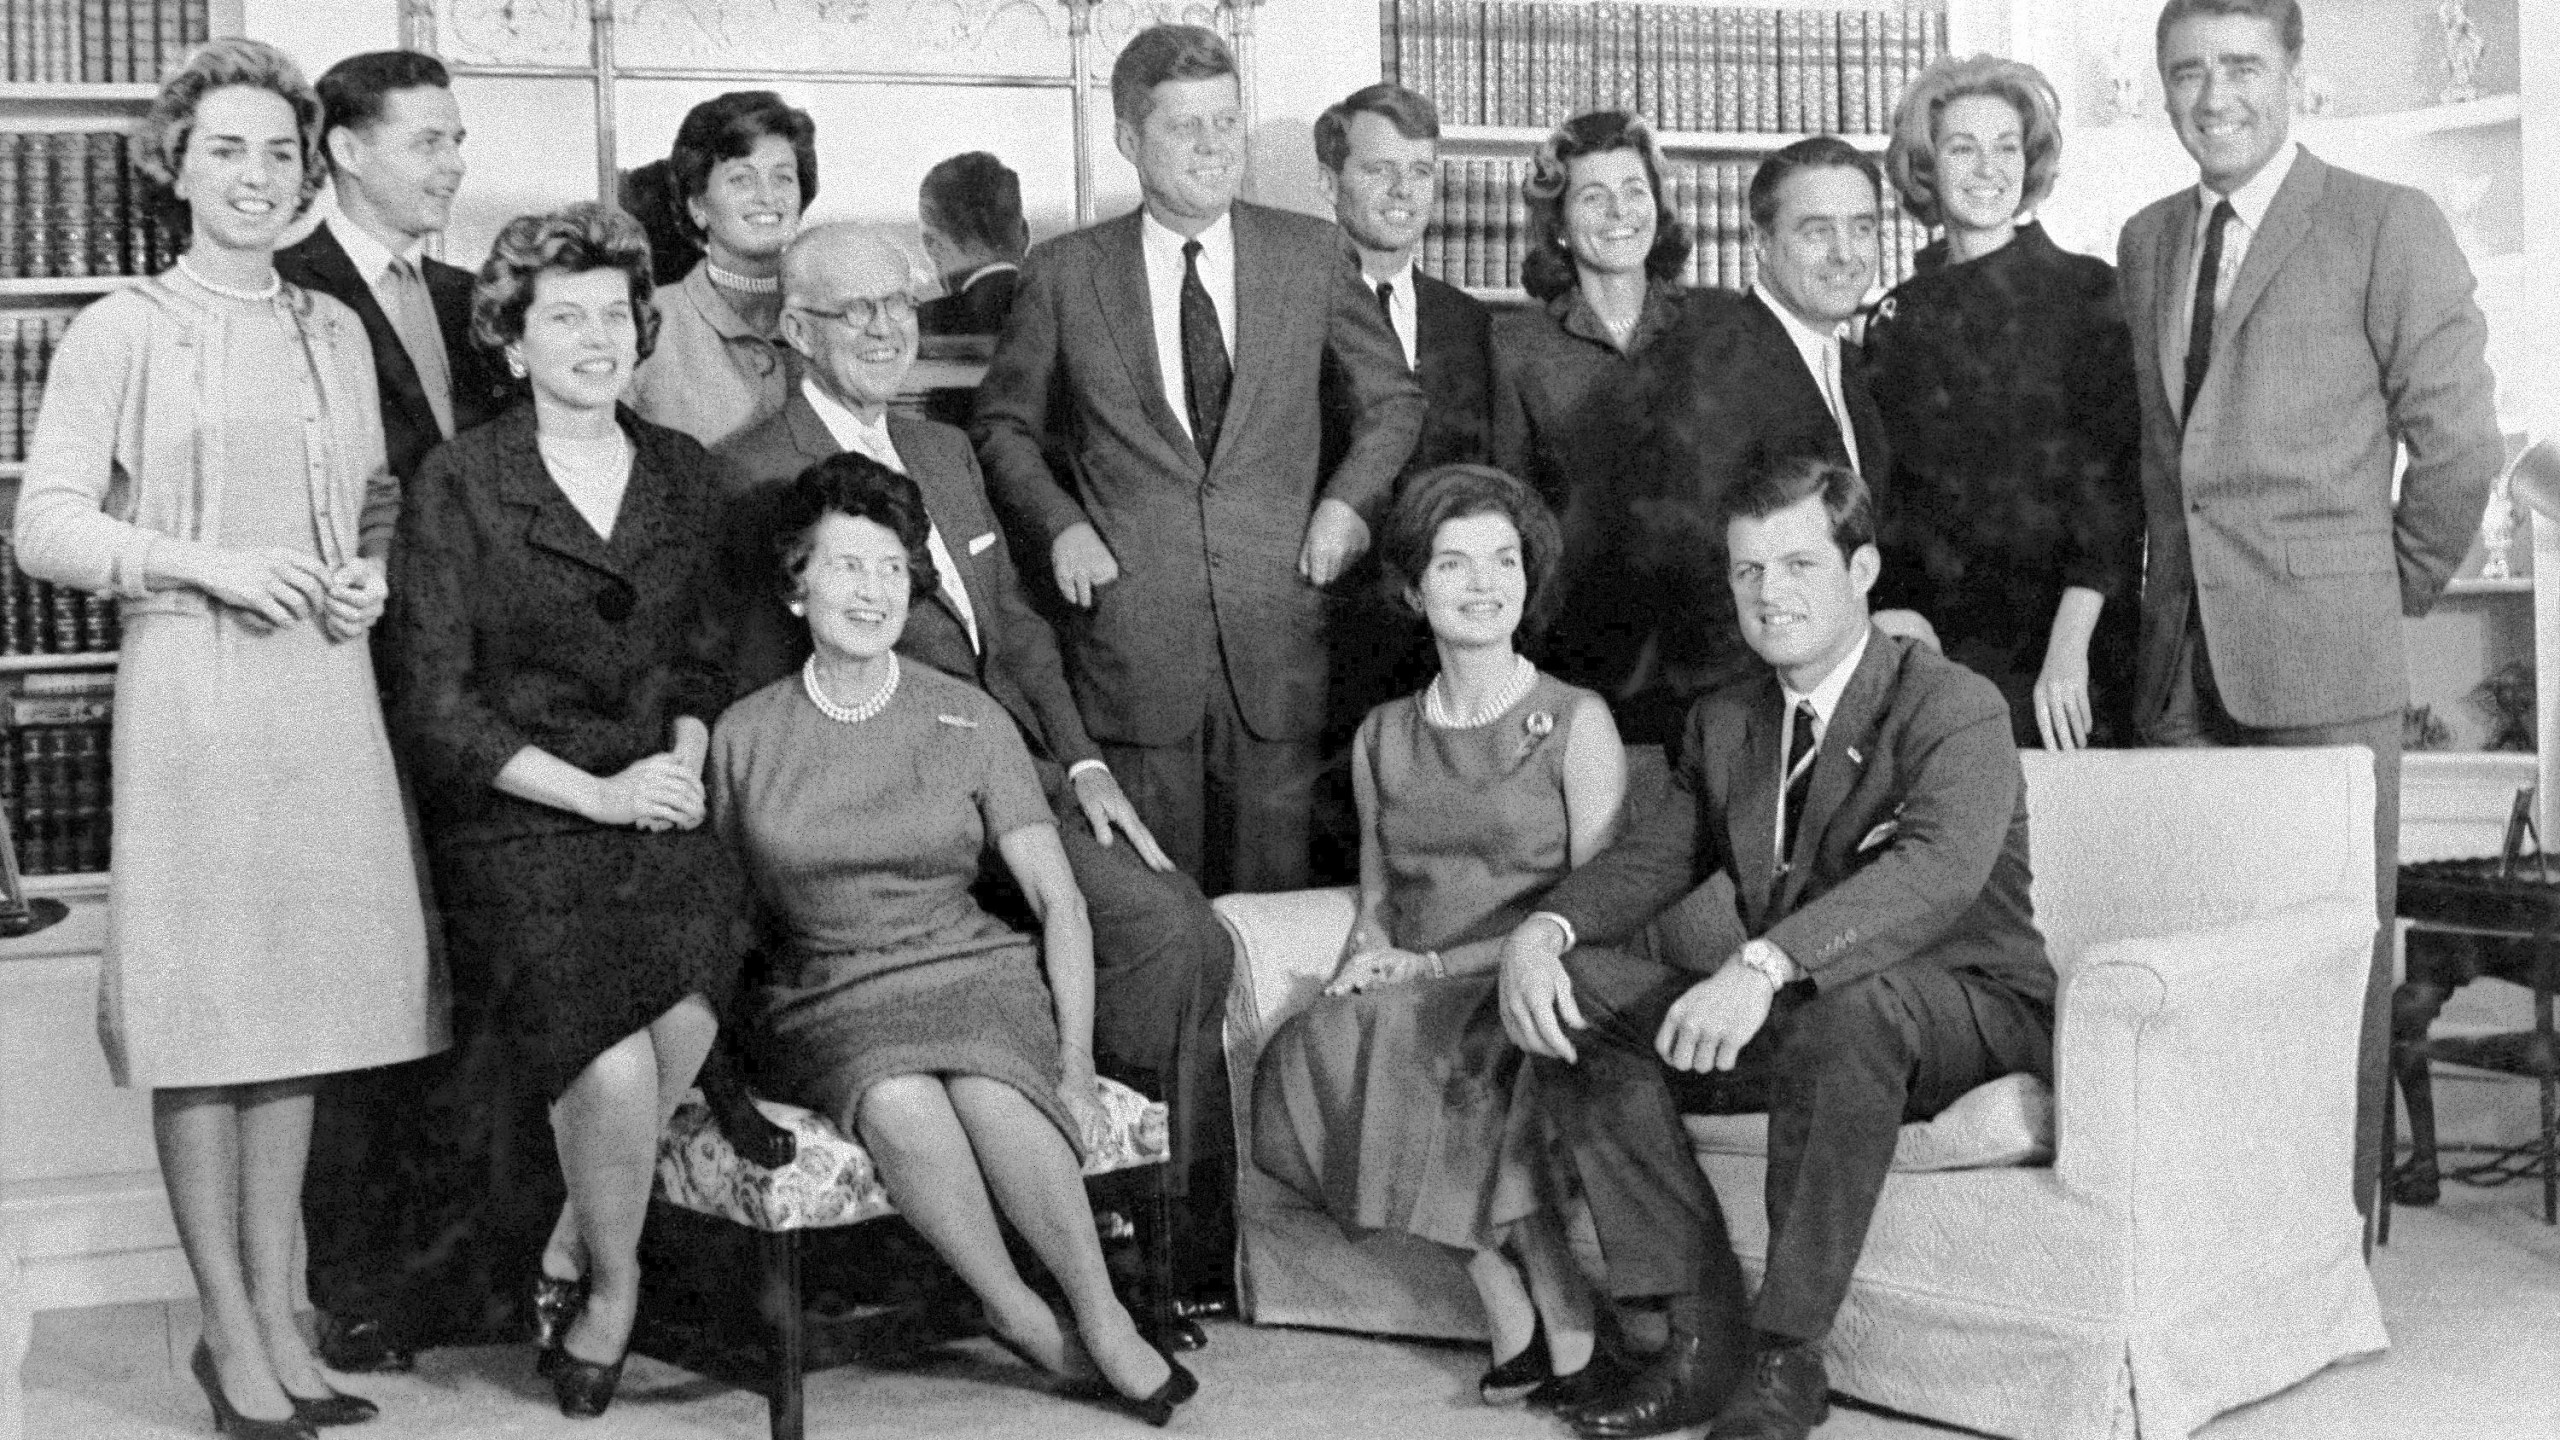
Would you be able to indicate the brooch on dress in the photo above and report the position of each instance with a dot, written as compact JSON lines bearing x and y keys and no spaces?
{"x":1540,"y":725}
{"x":958,"y":722}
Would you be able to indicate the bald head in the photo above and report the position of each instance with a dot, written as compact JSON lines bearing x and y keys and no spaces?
{"x":848,"y":295}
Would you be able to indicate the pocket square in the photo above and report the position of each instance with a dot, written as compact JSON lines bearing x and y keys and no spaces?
{"x":1878,"y":836}
{"x":979,"y":545}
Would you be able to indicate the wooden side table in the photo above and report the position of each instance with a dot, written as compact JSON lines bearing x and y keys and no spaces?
{"x":2471,"y":921}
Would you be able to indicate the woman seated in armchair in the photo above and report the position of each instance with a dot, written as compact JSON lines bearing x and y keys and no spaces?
{"x":861,"y":793}
{"x":1391,"y":1101}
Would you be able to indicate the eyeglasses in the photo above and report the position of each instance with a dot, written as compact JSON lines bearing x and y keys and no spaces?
{"x":861,"y":311}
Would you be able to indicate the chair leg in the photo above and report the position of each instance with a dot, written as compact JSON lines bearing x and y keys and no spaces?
{"x":2390,"y":1156}
{"x":1159,"y":1239}
{"x":779,"y":1298}
{"x":2548,"y":1052}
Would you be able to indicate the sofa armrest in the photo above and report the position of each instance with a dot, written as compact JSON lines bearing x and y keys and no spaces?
{"x":2203,"y":1078}
{"x":1286,"y":946}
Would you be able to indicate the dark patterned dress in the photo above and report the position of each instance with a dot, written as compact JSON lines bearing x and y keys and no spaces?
{"x":1400,"y":1108}
{"x":2008,"y":394}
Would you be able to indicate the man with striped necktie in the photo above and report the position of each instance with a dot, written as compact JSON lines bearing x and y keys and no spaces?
{"x":1863,"y":795}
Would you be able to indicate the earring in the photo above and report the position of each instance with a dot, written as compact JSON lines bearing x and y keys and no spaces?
{"x":799,"y":609}
{"x":515,"y":364}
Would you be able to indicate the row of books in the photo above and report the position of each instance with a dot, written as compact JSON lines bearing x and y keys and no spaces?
{"x":55,"y":784}
{"x":27,"y":341}
{"x":1693,"y":67}
{"x":38,"y":617}
{"x":99,"y":42}
{"x":1480,"y":233}
{"x":72,"y":205}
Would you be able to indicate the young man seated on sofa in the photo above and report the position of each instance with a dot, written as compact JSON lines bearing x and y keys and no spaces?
{"x":1864,"y":797}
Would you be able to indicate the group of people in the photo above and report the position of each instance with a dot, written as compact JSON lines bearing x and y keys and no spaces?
{"x":588,"y":685}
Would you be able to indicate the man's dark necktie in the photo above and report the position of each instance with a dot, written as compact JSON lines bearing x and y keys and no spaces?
{"x":1387,"y":301}
{"x":1802,"y":750}
{"x":2208,"y":280}
{"x":1205,"y":371}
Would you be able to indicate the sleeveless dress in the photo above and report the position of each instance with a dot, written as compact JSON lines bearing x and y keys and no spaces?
{"x":263,"y":918}
{"x":1405,"y":1108}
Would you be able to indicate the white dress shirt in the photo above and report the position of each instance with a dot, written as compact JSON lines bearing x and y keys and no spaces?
{"x":1404,"y":310}
{"x":1821,"y":354}
{"x":2248,"y":216}
{"x":372,"y":261}
{"x":1162,"y":248}
{"x":869,"y":437}
{"x":1824,"y":697}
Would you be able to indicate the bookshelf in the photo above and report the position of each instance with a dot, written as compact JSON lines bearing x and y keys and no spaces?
{"x":1725,"y":85}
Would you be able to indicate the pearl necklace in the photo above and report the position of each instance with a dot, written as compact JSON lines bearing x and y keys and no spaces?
{"x":274,"y":285}
{"x":744,"y":284}
{"x":1435,"y":699}
{"x":848,"y":714}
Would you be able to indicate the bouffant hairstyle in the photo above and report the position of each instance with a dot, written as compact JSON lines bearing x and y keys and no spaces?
{"x":1160,"y":53}
{"x":976,"y":199}
{"x":571,"y":240}
{"x":1549,"y":269}
{"x":2285,"y":15}
{"x":857,"y":487}
{"x":1413,"y":115}
{"x":1912,"y":157}
{"x":1454,"y":492}
{"x":1814,"y":152}
{"x":727,"y":127}
{"x":352,"y":91}
{"x":1845,"y":498}
{"x":161,"y":142}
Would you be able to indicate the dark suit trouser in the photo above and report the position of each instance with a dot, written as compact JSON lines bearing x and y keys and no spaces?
{"x":1840,"y":1072}
{"x":1233,"y":810}
{"x":2194,"y":716}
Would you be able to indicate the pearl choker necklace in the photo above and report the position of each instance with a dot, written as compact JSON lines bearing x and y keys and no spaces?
{"x":745,"y":284}
{"x":275,"y":284}
{"x":848,"y":714}
{"x":1435,"y":699}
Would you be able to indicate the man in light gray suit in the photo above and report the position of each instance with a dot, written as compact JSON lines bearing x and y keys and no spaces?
{"x":1170,"y":361}
{"x":2294,"y":323}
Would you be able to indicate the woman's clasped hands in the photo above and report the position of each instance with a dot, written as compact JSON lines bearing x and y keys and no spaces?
{"x":1376,"y":967}
{"x":272,"y":587}
{"x":655,"y":793}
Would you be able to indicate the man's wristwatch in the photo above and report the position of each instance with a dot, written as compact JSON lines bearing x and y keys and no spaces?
{"x":1769,"y":961}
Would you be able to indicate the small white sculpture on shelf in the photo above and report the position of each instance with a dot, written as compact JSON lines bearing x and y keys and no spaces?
{"x":2498,"y":528}
{"x":2462,"y":47}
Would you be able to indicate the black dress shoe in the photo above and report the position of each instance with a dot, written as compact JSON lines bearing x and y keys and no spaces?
{"x":363,"y":1346}
{"x":1184,"y":1336}
{"x":332,"y":1409}
{"x":583,"y":1387}
{"x":1786,"y":1396}
{"x":1157,"y":1408}
{"x":1593,"y":1383}
{"x":1685,"y":1384}
{"x":1511,"y":1381}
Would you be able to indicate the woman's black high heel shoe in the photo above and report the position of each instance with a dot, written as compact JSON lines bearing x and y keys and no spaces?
{"x":556,"y":1302}
{"x":227,"y":1421}
{"x":1514,"y":1378}
{"x":334,"y":1408}
{"x":1157,"y":1409}
{"x":583,"y":1387}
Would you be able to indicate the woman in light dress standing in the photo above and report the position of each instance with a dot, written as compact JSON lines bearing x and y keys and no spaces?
{"x":210,"y":452}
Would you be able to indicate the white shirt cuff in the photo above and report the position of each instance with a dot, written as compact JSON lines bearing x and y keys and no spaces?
{"x":1561,"y":923}
{"x":1082,"y":766}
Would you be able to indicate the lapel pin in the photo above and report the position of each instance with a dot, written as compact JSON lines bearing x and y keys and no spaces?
{"x":1854,"y":757}
{"x":958,"y":722}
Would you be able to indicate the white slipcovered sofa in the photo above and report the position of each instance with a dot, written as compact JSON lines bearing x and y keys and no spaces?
{"x":2190,"y":1247}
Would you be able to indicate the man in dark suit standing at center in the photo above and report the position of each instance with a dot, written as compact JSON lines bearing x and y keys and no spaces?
{"x":1864,"y":797}
{"x":1173,"y":359}
{"x":2296,"y":327}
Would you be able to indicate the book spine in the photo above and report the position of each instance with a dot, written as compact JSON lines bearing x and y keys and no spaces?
{"x":168,"y":30}
{"x":1518,"y":85}
{"x":1432,"y":258}
{"x":1795,"y":73}
{"x":62,"y":620}
{"x":66,"y":39}
{"x":1822,"y":58}
{"x":93,"y":40}
{"x":1763,"y":71}
{"x":1683,"y":185}
{"x":1623,"y":59}
{"x":1733,"y":227}
{"x":106,"y":203}
{"x":195,"y":22}
{"x":37,"y":210}
{"x":35,"y":795}
{"x":1697,"y":81}
{"x":13,"y":401}
{"x":13,"y":208}
{"x":1654,"y":69}
{"x":1515,"y":224}
{"x":71,"y":213}
{"x":1470,"y":109}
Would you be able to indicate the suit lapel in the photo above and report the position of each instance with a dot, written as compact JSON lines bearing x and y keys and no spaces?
{"x":1752,"y":820}
{"x":1865,"y":421}
{"x":1798,"y":387}
{"x":1261,"y":317}
{"x":397,"y":372}
{"x":1846,"y":743}
{"x":1120,"y":292}
{"x":555,"y":524}
{"x":2288,"y":221}
{"x":2170,"y":262}
{"x":955,"y":515}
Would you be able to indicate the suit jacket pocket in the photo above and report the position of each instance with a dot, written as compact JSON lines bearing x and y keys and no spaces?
{"x":2358,"y":552}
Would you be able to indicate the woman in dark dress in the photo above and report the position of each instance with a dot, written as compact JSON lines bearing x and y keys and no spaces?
{"x":1604,"y":261}
{"x":863,"y":792}
{"x":558,"y":668}
{"x":2012,"y":516}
